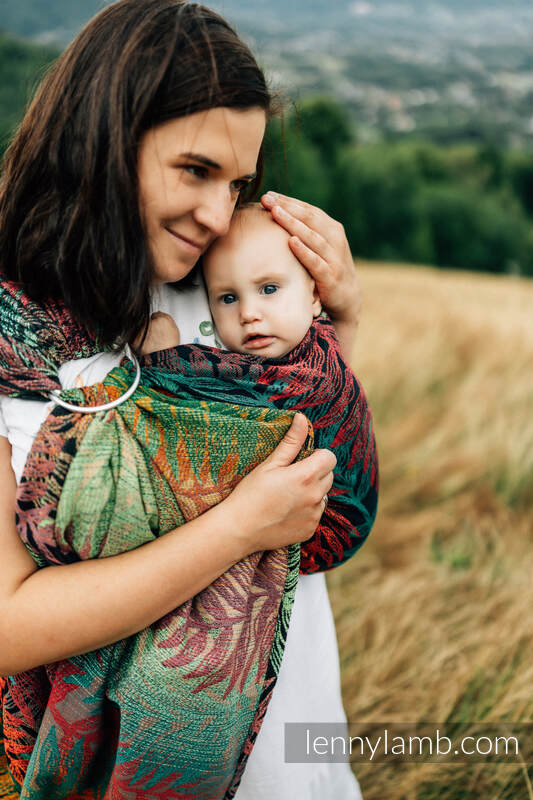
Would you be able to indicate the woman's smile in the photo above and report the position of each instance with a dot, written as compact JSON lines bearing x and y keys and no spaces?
{"x":188,"y":244}
{"x":190,"y":172}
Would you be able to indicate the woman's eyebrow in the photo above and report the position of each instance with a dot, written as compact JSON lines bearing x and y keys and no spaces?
{"x":213,"y":164}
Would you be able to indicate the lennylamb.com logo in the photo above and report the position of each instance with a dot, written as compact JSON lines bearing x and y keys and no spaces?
{"x":389,"y":742}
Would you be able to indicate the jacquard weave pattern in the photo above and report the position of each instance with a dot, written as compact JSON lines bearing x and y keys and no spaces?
{"x":34,"y":341}
{"x":173,"y":711}
{"x":7,"y":791}
{"x":312,"y":378}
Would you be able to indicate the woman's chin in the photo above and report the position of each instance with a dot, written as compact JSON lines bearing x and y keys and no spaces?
{"x":173,"y":272}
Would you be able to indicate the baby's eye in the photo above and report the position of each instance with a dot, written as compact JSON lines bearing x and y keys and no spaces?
{"x":228,"y":298}
{"x":269,"y":288}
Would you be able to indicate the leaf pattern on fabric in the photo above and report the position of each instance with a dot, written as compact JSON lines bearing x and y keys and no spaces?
{"x":173,"y":711}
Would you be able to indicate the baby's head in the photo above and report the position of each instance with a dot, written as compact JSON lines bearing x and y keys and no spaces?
{"x":262,"y":300}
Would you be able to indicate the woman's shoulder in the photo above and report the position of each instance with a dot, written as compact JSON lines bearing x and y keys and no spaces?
{"x":48,"y":323}
{"x":35,"y":340}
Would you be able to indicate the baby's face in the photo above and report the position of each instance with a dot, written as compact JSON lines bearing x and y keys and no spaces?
{"x":262,"y":299}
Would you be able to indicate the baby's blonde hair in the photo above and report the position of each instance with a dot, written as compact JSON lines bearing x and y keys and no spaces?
{"x":255,"y":209}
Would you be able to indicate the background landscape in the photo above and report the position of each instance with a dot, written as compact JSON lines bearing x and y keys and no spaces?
{"x":446,"y":68}
{"x":434,"y":613}
{"x":412,"y":122}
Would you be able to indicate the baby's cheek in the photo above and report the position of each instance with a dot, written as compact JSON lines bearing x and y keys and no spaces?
{"x":290,"y":309}
{"x":225,"y":321}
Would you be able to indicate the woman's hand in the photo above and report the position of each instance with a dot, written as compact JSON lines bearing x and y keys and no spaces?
{"x":281,"y":502}
{"x":276,"y":504}
{"x":319,"y":243}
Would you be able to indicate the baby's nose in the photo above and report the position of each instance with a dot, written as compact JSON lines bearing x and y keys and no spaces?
{"x":249,"y":311}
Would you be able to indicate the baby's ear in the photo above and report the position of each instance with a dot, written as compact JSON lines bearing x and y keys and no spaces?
{"x":317,"y":305}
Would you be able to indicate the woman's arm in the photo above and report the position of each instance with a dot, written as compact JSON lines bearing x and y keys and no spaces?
{"x":61,"y":611}
{"x":319,"y":242}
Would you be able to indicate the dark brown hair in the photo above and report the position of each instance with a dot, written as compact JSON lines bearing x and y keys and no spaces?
{"x":70,"y":225}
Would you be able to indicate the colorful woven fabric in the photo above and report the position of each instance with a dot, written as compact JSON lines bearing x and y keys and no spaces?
{"x":7,"y":790}
{"x":312,"y":378}
{"x":173,"y":711}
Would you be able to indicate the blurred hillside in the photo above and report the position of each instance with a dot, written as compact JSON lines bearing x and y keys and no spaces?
{"x":463,"y":205}
{"x":454,"y":188}
{"x":448,"y":70}
{"x":22,"y":66}
{"x":433,"y":614}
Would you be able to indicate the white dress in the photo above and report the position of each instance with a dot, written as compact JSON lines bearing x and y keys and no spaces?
{"x":308,"y":686}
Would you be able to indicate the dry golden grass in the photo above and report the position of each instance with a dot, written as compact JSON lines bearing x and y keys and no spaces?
{"x":434,"y":614}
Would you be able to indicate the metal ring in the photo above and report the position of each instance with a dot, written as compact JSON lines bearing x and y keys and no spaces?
{"x":325,"y":501}
{"x":106,"y":406}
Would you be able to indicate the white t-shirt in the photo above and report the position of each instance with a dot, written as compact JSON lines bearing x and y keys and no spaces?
{"x":308,"y":685}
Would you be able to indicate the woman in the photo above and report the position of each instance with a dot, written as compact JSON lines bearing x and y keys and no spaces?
{"x":128,"y":164}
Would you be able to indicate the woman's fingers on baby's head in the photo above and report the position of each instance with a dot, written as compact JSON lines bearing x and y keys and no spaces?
{"x":272,"y":198}
{"x":311,"y":215}
{"x":317,"y":267}
{"x":302,"y":228}
{"x":305,"y":235}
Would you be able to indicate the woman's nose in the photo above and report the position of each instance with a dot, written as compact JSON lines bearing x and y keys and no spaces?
{"x":216,"y":210}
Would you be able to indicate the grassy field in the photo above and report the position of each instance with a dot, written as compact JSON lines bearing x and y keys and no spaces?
{"x":434,"y":614}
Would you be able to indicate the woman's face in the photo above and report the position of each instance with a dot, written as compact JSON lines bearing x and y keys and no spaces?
{"x":190,"y":172}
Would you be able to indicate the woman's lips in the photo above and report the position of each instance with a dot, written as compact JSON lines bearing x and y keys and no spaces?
{"x":189,"y":244}
{"x":257,"y":342}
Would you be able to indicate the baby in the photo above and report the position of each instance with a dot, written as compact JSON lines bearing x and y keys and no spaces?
{"x":262,"y":300}
{"x":264,"y":303}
